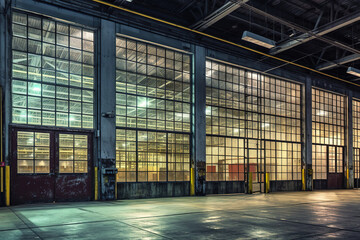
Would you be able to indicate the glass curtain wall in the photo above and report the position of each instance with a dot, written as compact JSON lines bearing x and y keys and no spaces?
{"x":153,"y":112}
{"x":328,"y":133}
{"x":52,"y":73}
{"x":251,"y":116}
{"x":356,"y":139}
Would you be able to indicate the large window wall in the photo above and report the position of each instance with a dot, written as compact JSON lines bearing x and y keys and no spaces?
{"x":356,"y":137}
{"x":242,"y":106}
{"x":52,"y":72}
{"x":153,"y":112}
{"x":328,"y":131}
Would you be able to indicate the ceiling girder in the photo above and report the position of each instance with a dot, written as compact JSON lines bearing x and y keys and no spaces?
{"x":323,"y":30}
{"x":337,"y":62}
{"x":218,"y":14}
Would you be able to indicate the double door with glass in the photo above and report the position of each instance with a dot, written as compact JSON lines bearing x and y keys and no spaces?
{"x":50,"y":166}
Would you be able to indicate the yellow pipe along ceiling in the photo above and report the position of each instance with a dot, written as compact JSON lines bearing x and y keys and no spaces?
{"x":223,"y":40}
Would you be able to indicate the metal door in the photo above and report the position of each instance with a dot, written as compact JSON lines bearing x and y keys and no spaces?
{"x":255,"y":165}
{"x":356,"y":157}
{"x":38,"y":174}
{"x":335,"y":156}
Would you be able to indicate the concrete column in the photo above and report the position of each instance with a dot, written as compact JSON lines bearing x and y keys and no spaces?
{"x":308,"y":135}
{"x":5,"y":51}
{"x":350,"y":162}
{"x":106,"y":105}
{"x":199,"y":129}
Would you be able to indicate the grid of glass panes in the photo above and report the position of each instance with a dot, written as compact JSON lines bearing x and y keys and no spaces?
{"x":225,"y":159}
{"x":147,"y":156}
{"x":246,"y":104}
{"x":153,"y":89}
{"x":328,"y":127}
{"x":73,"y":153}
{"x":356,"y":156}
{"x":356,"y":136}
{"x":282,"y":108}
{"x":319,"y":158}
{"x":52,"y":72}
{"x":328,"y":118}
{"x":356,"y":123}
{"x":283,"y":160}
{"x":33,"y":152}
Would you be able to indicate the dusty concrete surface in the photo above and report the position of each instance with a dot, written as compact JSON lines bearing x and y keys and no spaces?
{"x":290,"y":215}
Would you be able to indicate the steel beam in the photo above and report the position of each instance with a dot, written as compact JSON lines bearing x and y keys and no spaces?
{"x":218,"y":14}
{"x":333,"y":64}
{"x":321,"y":31}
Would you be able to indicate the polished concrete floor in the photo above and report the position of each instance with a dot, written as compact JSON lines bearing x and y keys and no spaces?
{"x":291,"y":215}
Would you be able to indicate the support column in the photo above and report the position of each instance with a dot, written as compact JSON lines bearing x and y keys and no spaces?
{"x":5,"y":48}
{"x":199,"y":129}
{"x":349,"y":173}
{"x":107,"y":106}
{"x":308,"y":136}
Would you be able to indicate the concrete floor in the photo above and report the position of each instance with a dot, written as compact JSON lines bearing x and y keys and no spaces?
{"x":291,"y":215}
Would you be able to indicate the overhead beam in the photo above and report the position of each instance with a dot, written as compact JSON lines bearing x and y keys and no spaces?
{"x":218,"y":14}
{"x":344,"y":60}
{"x":321,"y":31}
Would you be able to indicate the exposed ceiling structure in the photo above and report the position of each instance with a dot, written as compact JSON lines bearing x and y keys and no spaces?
{"x":319,"y":34}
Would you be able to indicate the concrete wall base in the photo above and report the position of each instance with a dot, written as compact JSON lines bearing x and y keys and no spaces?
{"x":152,"y":190}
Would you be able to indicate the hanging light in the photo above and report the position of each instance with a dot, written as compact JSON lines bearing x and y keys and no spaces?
{"x":353,"y":71}
{"x":258,"y":40}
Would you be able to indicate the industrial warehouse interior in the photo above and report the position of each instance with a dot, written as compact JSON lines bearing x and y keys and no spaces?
{"x":198,"y":119}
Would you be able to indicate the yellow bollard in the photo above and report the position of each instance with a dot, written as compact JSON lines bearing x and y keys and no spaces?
{"x":7,"y":185}
{"x":267,"y":183}
{"x":347,"y":178}
{"x":250,"y":183}
{"x":192,"y":182}
{"x":96,"y":183}
{"x":303,"y":185}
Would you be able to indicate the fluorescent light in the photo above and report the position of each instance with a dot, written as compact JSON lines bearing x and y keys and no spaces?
{"x":353,"y":71}
{"x":129,"y":0}
{"x":258,"y":40}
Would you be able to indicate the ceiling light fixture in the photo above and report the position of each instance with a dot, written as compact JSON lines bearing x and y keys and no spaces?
{"x":258,"y":40}
{"x":129,"y":0}
{"x":353,"y":71}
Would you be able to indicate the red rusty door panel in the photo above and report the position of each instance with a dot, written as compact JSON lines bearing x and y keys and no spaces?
{"x":38,"y":170}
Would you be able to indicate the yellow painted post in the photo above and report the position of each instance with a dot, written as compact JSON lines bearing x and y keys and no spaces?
{"x":96,"y":183}
{"x":250,"y":183}
{"x":347,"y":178}
{"x":303,"y":179}
{"x":7,"y":185}
{"x":192,"y":182}
{"x":267,"y":183}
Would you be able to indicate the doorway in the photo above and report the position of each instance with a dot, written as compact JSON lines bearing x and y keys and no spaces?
{"x":335,"y":176}
{"x":256,"y":165}
{"x":49,"y":166}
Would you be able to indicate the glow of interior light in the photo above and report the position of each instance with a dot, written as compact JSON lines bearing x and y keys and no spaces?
{"x":265,"y":125}
{"x":321,"y":113}
{"x":353,"y":71}
{"x":208,"y":110}
{"x":143,"y":104}
{"x":258,"y":40}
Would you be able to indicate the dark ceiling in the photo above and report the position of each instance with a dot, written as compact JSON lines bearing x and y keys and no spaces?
{"x":326,"y":32}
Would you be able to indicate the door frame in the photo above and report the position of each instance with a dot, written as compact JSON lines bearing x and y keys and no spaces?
{"x":54,"y":157}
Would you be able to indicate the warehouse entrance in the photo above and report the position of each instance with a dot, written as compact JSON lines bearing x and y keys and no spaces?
{"x":335,"y":167}
{"x":356,"y":157}
{"x":256,"y":165}
{"x":50,"y":166}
